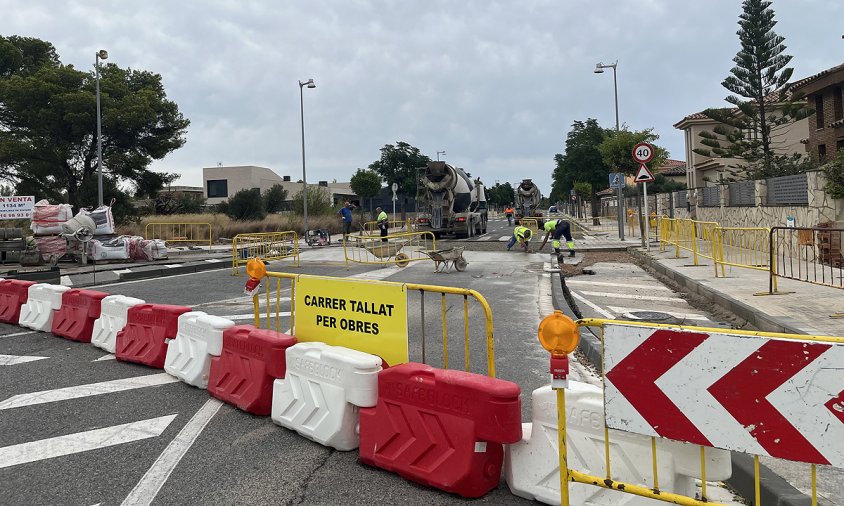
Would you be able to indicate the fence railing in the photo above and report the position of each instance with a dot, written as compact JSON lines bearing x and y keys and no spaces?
{"x":275,"y":298}
{"x":813,"y":255}
{"x":264,"y":245}
{"x":401,"y":248}
{"x":711,"y":196}
{"x":742,"y":193}
{"x":393,"y":226}
{"x":788,"y":190}
{"x":748,"y":248}
{"x":196,"y":233}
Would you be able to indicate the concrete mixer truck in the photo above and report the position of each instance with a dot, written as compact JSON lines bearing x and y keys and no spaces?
{"x":449,"y":202}
{"x":528,"y":198}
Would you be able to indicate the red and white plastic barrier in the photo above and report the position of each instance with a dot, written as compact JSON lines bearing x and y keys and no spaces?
{"x":199,"y":337}
{"x":41,"y":303}
{"x":250,"y":361}
{"x":75,"y":319}
{"x":148,"y":328}
{"x":322,"y":390}
{"x":441,"y":428}
{"x":114,"y":311}
{"x":13,"y":294}
{"x":532,"y":466}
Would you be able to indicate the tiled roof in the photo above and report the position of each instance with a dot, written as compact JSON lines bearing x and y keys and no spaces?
{"x":807,"y":80}
{"x":672,"y":168}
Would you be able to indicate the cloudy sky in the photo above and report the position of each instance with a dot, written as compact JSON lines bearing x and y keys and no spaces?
{"x":495,"y":84}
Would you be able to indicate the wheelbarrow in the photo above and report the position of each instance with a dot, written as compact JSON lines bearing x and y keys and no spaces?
{"x":382,"y":250}
{"x":445,"y":259}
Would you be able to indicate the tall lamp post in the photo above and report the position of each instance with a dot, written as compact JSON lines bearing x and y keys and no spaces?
{"x":599,"y":69}
{"x":310,"y":84}
{"x":102,"y":54}
{"x":440,"y":153}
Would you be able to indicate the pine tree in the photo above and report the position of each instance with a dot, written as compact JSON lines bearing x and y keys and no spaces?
{"x":760,"y":94}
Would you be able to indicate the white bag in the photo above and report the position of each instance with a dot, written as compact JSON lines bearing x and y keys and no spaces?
{"x":47,"y":218}
{"x":155,"y":249}
{"x":103,"y":219}
{"x":81,"y":220}
{"x":115,"y":249}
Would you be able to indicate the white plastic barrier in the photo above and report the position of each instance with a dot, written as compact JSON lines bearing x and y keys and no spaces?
{"x":532,"y":469}
{"x":42,"y":300}
{"x":114,"y":310}
{"x":200,"y":336}
{"x":322,"y":390}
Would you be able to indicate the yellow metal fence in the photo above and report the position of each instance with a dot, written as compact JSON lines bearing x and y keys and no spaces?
{"x":393,"y":227}
{"x":196,"y":233}
{"x":441,"y":297}
{"x":264,"y":245}
{"x":401,"y":248}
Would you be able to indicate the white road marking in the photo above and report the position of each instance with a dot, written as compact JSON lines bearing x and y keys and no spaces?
{"x":633,"y":296}
{"x":155,"y":477}
{"x":83,"y":441}
{"x":105,"y":387}
{"x":171,"y":266}
{"x":65,"y":281}
{"x":124,"y":271}
{"x":504,"y":238}
{"x":157,"y":280}
{"x":683,"y":316}
{"x":246,"y":299}
{"x":18,"y":359}
{"x":16,"y":334}
{"x":620,"y":285}
{"x":213,"y":260}
{"x":485,"y":237}
{"x":594,"y":306}
{"x":110,"y":356}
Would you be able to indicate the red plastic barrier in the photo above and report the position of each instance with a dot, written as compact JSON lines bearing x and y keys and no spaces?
{"x":142,"y":340}
{"x":13,"y":294}
{"x":244,"y":372}
{"x":75,"y":319}
{"x":441,"y":428}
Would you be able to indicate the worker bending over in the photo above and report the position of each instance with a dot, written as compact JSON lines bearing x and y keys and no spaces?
{"x":559,"y":228}
{"x":520,"y":235}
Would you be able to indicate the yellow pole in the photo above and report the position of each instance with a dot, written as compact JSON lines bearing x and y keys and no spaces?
{"x":445,"y":333}
{"x":561,"y":432}
{"x":756,"y":480}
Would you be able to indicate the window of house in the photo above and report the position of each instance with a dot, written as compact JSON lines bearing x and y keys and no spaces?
{"x":822,"y":152}
{"x":218,"y":188}
{"x":840,"y":145}
{"x":837,"y":105}
{"x":819,"y":111}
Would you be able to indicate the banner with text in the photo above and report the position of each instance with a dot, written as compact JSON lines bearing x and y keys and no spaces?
{"x":15,"y":208}
{"x":361,"y":315}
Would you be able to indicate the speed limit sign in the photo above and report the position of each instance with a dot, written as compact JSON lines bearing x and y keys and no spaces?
{"x":643,"y":152}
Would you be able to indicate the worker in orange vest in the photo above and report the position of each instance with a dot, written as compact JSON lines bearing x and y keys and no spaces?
{"x":508,"y":212}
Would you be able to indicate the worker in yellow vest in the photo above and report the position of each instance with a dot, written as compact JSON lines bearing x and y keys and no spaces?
{"x":522,"y":236}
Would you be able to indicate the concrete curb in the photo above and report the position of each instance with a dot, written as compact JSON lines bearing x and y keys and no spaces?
{"x":171,"y":271}
{"x":774,"y":489}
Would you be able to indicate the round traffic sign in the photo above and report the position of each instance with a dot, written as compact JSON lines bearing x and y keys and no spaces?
{"x":643,"y":152}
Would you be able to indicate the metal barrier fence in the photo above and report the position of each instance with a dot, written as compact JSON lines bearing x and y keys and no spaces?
{"x":742,"y":247}
{"x":264,"y":245}
{"x":653,"y":490}
{"x":532,"y":224}
{"x":813,"y":255}
{"x":180,"y":232}
{"x":393,"y":226}
{"x":401,"y":248}
{"x":273,"y":313}
{"x":693,"y":236}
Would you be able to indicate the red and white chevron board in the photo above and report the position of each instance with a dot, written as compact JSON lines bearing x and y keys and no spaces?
{"x":757,"y":395}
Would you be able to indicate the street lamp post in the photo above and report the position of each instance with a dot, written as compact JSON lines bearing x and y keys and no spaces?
{"x":440,"y":153}
{"x":102,"y":54}
{"x":599,"y":69}
{"x":310,"y":84}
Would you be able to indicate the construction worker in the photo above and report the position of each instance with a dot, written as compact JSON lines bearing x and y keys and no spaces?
{"x":383,"y":223}
{"x":559,"y":228}
{"x":520,"y":235}
{"x":509,"y":213}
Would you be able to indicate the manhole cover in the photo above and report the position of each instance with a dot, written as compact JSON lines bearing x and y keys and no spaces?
{"x":650,"y":316}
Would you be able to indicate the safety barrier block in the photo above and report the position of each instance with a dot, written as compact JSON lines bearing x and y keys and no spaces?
{"x":75,"y":319}
{"x":114,"y":310}
{"x":532,"y":466}
{"x":251,"y":359}
{"x":13,"y":294}
{"x":144,"y":338}
{"x":41,"y":302}
{"x":200,"y":336}
{"x":441,"y":428}
{"x":322,"y":390}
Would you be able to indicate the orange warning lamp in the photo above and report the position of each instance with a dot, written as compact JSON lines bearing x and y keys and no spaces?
{"x":256,"y":269}
{"x":558,"y":334}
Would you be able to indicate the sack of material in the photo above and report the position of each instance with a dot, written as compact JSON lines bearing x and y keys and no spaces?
{"x":47,"y":218}
{"x":80,"y":221}
{"x":103,"y":219}
{"x":142,"y":249}
{"x":114,"y":249}
{"x":51,"y":246}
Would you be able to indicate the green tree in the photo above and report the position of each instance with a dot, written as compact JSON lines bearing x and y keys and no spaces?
{"x":616,"y":150}
{"x":501,"y":195}
{"x":246,"y":204}
{"x":319,"y":202}
{"x":275,"y":198}
{"x":399,"y":164}
{"x":366,"y":184}
{"x":763,"y":105}
{"x":581,"y":162}
{"x":834,"y":172}
{"x":48,"y":142}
